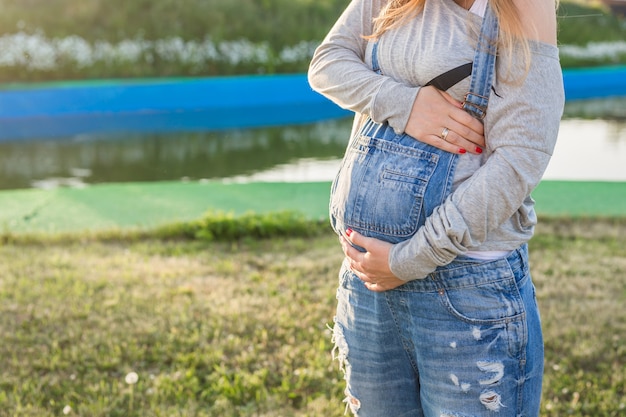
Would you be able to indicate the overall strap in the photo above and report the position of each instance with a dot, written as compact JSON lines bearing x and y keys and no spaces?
{"x":484,"y":68}
{"x":375,"y":64}
{"x":452,"y":77}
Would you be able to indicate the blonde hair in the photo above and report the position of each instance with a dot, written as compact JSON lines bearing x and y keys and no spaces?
{"x":397,"y":12}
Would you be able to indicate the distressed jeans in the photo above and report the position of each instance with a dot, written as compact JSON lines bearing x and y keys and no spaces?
{"x":466,"y":342}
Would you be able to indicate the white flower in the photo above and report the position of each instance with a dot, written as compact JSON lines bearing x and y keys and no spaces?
{"x":131,"y":378}
{"x":300,"y":52}
{"x":76,"y":49}
{"x":130,"y":50}
{"x":244,"y":51}
{"x":34,"y":51}
{"x":595,"y":50}
{"x":67,"y":409}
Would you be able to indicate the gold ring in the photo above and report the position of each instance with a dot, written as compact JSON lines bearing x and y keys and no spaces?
{"x":444,"y":133}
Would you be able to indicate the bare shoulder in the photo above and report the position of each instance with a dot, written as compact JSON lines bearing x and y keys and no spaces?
{"x":538,"y":19}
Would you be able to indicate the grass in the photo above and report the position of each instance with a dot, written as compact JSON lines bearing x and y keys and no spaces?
{"x":238,"y":326}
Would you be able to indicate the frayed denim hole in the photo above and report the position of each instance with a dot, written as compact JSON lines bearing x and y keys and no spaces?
{"x":352,"y":403}
{"x":491,"y":400}
{"x":340,"y":346}
{"x":340,"y":353}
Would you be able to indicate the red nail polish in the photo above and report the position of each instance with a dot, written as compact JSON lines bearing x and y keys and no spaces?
{"x":348,"y":232}
{"x":462,"y":150}
{"x":479,"y":150}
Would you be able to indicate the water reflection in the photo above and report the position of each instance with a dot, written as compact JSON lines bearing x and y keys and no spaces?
{"x":158,"y":157}
{"x":588,"y":149}
{"x":611,"y":108}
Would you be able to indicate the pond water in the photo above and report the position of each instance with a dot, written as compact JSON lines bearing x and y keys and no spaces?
{"x":591,"y":146}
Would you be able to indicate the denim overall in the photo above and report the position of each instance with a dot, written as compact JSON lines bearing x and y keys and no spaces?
{"x":464,"y":341}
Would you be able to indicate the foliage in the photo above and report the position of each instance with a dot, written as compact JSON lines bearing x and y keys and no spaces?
{"x":280,"y":22}
{"x":228,"y":227}
{"x":120,"y":38}
{"x":162,"y":38}
{"x":579,"y":25}
{"x":212,"y":227}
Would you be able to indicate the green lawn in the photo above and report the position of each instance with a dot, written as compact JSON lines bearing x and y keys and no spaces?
{"x":239,"y":327}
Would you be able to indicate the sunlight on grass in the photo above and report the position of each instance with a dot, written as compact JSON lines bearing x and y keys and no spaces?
{"x":239,"y":328}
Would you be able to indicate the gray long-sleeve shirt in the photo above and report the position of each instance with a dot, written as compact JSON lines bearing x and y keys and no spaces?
{"x":490,"y":207}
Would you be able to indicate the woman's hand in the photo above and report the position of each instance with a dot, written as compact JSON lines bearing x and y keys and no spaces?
{"x":439,"y":120}
{"x":372,"y":266}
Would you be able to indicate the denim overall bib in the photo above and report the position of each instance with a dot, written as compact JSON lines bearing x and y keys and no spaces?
{"x":464,"y":341}
{"x":388,"y":184}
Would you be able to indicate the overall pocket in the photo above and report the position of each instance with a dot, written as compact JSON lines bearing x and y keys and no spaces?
{"x":380,"y":187}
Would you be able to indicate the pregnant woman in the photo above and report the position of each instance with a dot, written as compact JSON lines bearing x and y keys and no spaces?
{"x":436,"y":313}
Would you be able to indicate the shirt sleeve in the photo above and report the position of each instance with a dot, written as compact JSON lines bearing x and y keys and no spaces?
{"x":338,"y":70}
{"x":521,"y":126}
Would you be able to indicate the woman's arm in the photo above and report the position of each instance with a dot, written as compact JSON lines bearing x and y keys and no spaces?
{"x":338,"y":71}
{"x":523,"y":122}
{"x":522,"y":126}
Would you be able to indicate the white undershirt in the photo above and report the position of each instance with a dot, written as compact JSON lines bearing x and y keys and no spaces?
{"x":479,"y":7}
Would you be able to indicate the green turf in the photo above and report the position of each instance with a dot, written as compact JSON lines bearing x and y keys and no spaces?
{"x":574,"y":198}
{"x":145,"y":205}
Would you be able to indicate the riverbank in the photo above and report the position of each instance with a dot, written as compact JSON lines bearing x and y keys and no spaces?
{"x":141,"y":206}
{"x":194,"y":38}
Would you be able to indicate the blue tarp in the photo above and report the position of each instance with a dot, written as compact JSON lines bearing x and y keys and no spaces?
{"x":202,"y":104}
{"x":588,"y":83}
